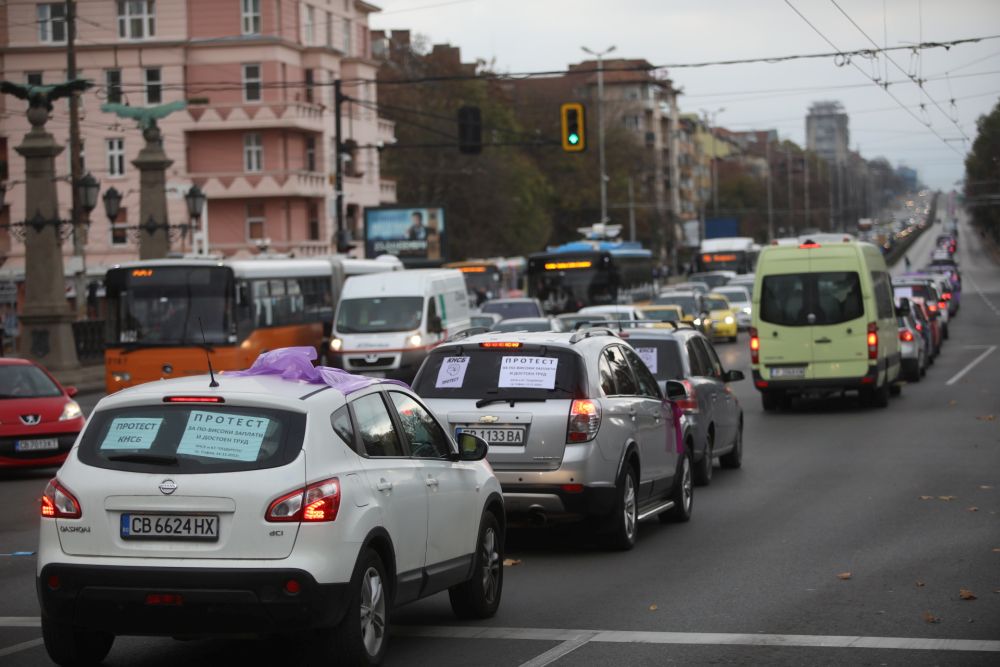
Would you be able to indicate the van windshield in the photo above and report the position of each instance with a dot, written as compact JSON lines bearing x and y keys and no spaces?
{"x":830,"y":297}
{"x":379,"y":314}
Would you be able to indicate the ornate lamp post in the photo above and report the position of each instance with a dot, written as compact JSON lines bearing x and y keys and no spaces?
{"x":195,"y":199}
{"x":112,"y":204}
{"x":87,"y":189}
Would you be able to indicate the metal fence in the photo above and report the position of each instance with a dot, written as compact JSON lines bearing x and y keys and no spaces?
{"x":89,"y":338}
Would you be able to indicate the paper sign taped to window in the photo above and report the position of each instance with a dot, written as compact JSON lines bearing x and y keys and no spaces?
{"x":452,"y":372}
{"x":903,"y":292}
{"x":221,"y":435}
{"x":528,"y":372}
{"x":648,"y":356}
{"x":132,"y":433}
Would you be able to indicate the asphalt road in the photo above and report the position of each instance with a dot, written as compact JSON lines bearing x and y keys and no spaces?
{"x":905,"y":499}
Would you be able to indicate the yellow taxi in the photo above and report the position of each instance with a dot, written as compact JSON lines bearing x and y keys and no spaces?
{"x":663,"y":313}
{"x":721,"y":320}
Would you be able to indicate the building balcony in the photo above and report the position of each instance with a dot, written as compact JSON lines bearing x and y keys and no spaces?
{"x":387,"y":191}
{"x":310,"y":248}
{"x":239,"y":185}
{"x":386,"y":131}
{"x":299,"y":115}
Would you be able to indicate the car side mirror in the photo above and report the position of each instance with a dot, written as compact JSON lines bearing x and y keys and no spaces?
{"x":732,"y":376}
{"x":72,"y":391}
{"x":471,"y":447}
{"x":435,"y":325}
{"x":676,"y":389}
{"x":904,"y":307}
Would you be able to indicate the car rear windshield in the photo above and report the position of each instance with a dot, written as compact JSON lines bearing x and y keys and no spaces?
{"x":916,"y":289}
{"x":830,"y":297}
{"x":511,"y":309}
{"x":24,"y":381}
{"x":192,"y":438}
{"x":663,"y":357}
{"x":528,"y":372}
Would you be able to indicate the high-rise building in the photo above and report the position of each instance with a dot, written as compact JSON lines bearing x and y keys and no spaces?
{"x":259,"y":142}
{"x":827,"y":133}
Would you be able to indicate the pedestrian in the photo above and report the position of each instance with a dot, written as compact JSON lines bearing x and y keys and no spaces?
{"x":906,"y":261}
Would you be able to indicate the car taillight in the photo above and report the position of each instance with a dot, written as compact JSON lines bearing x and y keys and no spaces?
{"x":920,"y":327}
{"x":584,"y":420}
{"x":315,"y":503}
{"x":947,"y":296}
{"x":872,"y":340}
{"x":689,"y":402}
{"x":932,"y":307}
{"x":754,"y":347}
{"x":58,"y":503}
{"x":942,"y":305}
{"x":906,"y":336}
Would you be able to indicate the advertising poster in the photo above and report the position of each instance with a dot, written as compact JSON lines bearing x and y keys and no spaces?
{"x":407,"y":233}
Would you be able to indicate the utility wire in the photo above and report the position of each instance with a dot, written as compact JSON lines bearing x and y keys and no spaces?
{"x":874,"y":81}
{"x":911,"y":77}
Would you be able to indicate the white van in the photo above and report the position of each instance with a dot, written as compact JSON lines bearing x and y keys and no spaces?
{"x":386,"y":322}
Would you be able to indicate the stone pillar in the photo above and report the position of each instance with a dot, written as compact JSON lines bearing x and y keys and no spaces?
{"x":46,"y":321}
{"x":152,"y":164}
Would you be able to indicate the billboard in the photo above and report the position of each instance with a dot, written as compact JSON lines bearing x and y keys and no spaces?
{"x":415,"y":234}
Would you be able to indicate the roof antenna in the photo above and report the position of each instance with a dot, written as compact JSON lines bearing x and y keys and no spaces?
{"x":208,"y":357}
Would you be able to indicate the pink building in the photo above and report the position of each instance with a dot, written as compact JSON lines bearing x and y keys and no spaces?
{"x":260,"y":142}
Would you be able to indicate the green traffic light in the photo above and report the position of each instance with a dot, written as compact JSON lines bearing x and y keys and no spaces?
{"x":574,"y":138}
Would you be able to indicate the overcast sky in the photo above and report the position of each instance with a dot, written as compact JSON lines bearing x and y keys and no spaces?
{"x":531,"y":35}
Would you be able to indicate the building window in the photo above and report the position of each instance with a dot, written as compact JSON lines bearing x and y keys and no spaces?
{"x":251,"y":83}
{"x":312,"y":213}
{"x":309,"y":85}
{"x":253,"y":152}
{"x":347,"y":36}
{"x":113,"y":83}
{"x":52,"y":23}
{"x":310,"y":25}
{"x":329,"y":30}
{"x":116,"y":156}
{"x":255,"y":221}
{"x":154,"y":88}
{"x":136,"y":19}
{"x":310,"y":153}
{"x":33,"y":78}
{"x":250,"y":15}
{"x":631,"y":122}
{"x":119,"y":233}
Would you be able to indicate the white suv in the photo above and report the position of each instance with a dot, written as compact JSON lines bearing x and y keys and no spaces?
{"x":264,"y":505}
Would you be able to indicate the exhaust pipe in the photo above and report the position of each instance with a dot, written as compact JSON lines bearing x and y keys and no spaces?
{"x":537,"y":514}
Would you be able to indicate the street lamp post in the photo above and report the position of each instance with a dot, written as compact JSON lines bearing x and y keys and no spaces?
{"x":709,"y":117}
{"x":195,"y":199}
{"x":600,"y":126}
{"x":86,"y":196}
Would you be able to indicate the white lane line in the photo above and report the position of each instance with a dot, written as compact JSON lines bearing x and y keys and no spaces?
{"x":17,"y":648}
{"x":713,"y":638}
{"x":559,"y":651}
{"x":20,"y":622}
{"x":959,"y":375}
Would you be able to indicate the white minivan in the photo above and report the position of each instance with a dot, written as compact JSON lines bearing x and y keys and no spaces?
{"x":386,"y":322}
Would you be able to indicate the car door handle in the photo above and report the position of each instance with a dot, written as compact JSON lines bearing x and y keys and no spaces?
{"x":431,"y":481}
{"x":384,"y":485}
{"x":824,"y":339}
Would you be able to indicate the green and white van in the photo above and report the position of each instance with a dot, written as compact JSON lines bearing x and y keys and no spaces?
{"x":823,"y":322}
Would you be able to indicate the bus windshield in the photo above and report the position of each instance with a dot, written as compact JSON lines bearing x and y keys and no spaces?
{"x":170,"y":306}
{"x":379,"y":314}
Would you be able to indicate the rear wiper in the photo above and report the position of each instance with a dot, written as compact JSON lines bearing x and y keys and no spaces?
{"x":512,"y":400}
{"x":153,"y":459}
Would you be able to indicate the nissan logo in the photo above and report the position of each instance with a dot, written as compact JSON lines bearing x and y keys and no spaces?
{"x":167,"y":487}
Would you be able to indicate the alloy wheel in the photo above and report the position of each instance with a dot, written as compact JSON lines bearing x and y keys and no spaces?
{"x":372,"y":611}
{"x":491,"y":565}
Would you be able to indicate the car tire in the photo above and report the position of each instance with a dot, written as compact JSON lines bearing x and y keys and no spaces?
{"x":479,"y":597}
{"x":734,"y":458}
{"x":683,"y":492}
{"x":895,"y":389}
{"x":733,"y":339}
{"x":877,"y":397}
{"x":362,"y":635}
{"x":770,"y":400}
{"x":703,"y":469}
{"x":70,"y":646}
{"x":944,"y":332}
{"x":623,"y":525}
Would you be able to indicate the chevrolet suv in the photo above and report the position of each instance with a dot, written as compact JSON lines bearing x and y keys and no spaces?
{"x":577,"y":426}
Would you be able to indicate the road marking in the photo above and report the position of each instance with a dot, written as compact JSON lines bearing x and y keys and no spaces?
{"x":17,"y":648}
{"x":975,"y":286}
{"x":959,"y":375}
{"x":704,"y":638}
{"x":559,"y":651}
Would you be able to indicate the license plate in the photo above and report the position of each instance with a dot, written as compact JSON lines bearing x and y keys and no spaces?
{"x":496,"y":436}
{"x":788,"y":372}
{"x":39,"y":445}
{"x":136,"y":526}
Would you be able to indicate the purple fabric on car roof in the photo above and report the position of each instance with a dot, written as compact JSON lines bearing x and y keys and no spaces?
{"x":295,"y":363}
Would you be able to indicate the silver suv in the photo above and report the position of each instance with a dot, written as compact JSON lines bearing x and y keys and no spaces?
{"x":576,"y":423}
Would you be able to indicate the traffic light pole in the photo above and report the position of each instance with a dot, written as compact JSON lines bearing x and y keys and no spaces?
{"x":340,"y":236}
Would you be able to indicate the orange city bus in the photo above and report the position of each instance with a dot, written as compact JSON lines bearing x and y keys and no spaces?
{"x":491,"y":278}
{"x":157,"y":312}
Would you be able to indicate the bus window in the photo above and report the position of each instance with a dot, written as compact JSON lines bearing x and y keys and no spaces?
{"x":262,"y":304}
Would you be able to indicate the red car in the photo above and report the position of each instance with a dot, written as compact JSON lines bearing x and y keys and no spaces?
{"x":39,"y":420}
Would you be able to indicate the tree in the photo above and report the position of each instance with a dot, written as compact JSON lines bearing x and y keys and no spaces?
{"x":982,"y":175}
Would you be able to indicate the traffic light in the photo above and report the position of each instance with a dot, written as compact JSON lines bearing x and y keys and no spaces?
{"x":470,"y":130}
{"x":574,"y":137}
